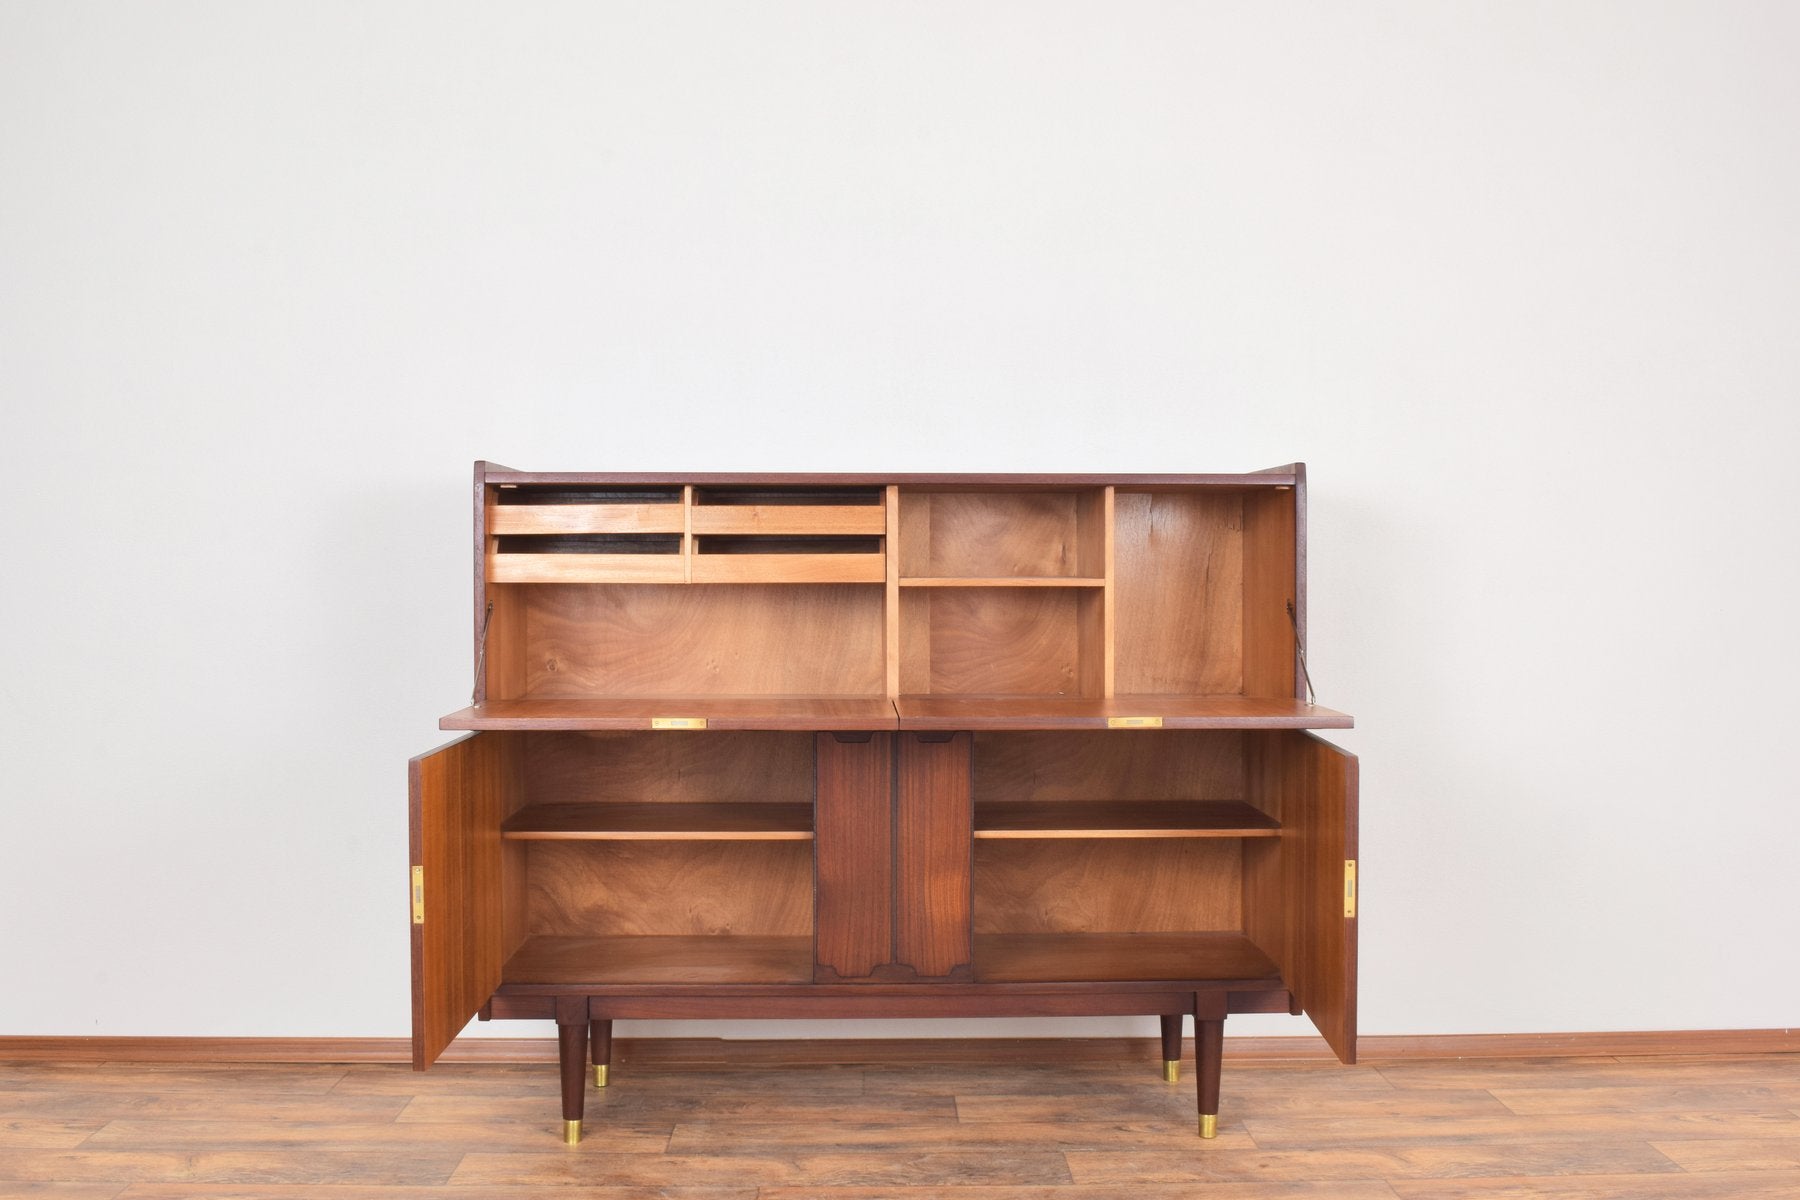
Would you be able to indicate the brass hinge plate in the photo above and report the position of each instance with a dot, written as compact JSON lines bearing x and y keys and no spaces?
{"x":678,"y":722}
{"x":418,"y":895}
{"x":1349,"y":887}
{"x":1134,"y":722}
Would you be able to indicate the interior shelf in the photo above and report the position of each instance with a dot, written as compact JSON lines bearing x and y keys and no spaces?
{"x":766,"y":822}
{"x":1122,"y":958}
{"x":1002,"y":581}
{"x":1123,"y":819}
{"x":660,"y":959}
{"x":952,"y":712}
{"x":840,"y":713}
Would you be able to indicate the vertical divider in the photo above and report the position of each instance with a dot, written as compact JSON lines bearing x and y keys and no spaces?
{"x":687,"y":533}
{"x":891,"y":608}
{"x":1108,"y":613}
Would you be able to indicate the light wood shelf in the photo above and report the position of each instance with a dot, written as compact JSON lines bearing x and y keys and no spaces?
{"x":1003,"y":581}
{"x":1081,"y":712}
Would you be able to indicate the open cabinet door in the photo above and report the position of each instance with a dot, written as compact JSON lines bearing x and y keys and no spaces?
{"x":459,"y":798}
{"x":1306,"y":890}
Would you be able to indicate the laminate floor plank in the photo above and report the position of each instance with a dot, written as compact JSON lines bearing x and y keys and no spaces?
{"x":1365,"y":1129}
{"x":59,"y":1191}
{"x":276,"y":1191}
{"x":1148,"y":1105}
{"x":1751,"y":1185}
{"x":47,"y":1133}
{"x":422,"y":1137}
{"x":1735,"y":1154}
{"x":1361,"y":1189}
{"x":619,"y":1103}
{"x":1596,"y":1073}
{"x":744,"y":1137}
{"x":1677,"y":1097}
{"x":198,"y":1106}
{"x":1390,"y":1163}
{"x":226,"y":1166}
{"x":930,"y":1170}
{"x":164,"y":1077}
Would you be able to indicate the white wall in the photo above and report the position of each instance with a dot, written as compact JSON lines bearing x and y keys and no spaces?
{"x":1521,"y":282}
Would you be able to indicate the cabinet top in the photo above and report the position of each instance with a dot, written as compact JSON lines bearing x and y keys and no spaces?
{"x":1287,"y":475}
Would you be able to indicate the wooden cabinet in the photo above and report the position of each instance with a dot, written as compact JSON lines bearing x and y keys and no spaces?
{"x":833,"y":746}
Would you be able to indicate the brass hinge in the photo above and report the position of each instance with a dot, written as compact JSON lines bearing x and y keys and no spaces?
{"x":1349,"y":887}
{"x":418,"y":895}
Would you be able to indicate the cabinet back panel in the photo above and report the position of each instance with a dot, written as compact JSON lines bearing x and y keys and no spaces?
{"x":1109,"y":765}
{"x":993,"y":641}
{"x":999,"y":533}
{"x":677,"y":768}
{"x":1178,"y":885}
{"x":685,"y":640}
{"x":1180,"y":593}
{"x":595,"y":889}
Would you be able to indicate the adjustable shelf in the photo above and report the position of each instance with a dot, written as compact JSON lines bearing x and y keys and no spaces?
{"x":665,"y":959}
{"x":1121,"y":957}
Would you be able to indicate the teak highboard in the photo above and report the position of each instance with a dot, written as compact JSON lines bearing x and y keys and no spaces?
{"x":816,"y":746}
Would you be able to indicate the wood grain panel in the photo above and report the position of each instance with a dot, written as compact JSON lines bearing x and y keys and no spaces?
{"x":669,"y":768}
{"x":1005,"y":641}
{"x":983,"y":712}
{"x":749,"y":640}
{"x":1311,"y":787}
{"x":1086,"y":765}
{"x":854,"y":852}
{"x":611,"y":887}
{"x":995,"y":533}
{"x":1180,"y":593}
{"x":1107,"y":886}
{"x":932,"y":855}
{"x":459,"y":795}
{"x":1271,"y":563}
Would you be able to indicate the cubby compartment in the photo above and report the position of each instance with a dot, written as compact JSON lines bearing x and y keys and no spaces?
{"x":651,"y":857}
{"x":1203,"y":580}
{"x":952,"y":538}
{"x":789,"y":535}
{"x":1001,"y":641}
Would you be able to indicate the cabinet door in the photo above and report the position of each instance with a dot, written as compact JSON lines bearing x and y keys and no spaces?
{"x":1300,"y":899}
{"x":460,"y":794}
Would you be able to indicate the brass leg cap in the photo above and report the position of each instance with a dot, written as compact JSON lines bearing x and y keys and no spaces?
{"x":1171,"y":1070}
{"x":572,"y":1133}
{"x":599,"y":1074}
{"x":1209,"y":1125}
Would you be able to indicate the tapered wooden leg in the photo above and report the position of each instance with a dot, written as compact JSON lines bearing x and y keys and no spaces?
{"x":1171,"y":1039}
{"x":572,"y":1043}
{"x":600,"y":1048}
{"x":1209,"y":1047}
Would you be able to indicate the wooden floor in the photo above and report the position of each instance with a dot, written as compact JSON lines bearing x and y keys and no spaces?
{"x":1546,"y":1129}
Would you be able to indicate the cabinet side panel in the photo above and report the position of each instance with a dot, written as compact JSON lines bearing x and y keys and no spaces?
{"x":933,"y":822}
{"x":1271,"y":561}
{"x":1312,"y":785}
{"x":853,"y":856}
{"x":459,"y":795}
